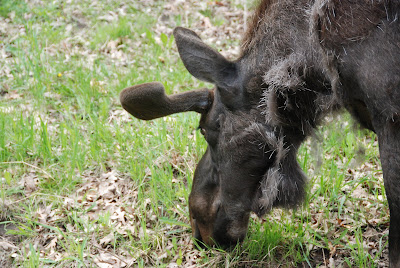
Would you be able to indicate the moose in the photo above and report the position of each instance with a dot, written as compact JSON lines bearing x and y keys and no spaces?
{"x":300,"y":60}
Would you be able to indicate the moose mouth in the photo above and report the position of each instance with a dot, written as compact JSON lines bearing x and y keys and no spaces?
{"x":226,"y":236}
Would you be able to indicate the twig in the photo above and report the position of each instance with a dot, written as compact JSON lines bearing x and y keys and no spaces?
{"x":27,"y":164}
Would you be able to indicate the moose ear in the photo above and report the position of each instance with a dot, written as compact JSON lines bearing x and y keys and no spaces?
{"x":202,"y":61}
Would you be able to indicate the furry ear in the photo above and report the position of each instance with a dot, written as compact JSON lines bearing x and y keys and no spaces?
{"x":282,"y":186}
{"x":202,"y":61}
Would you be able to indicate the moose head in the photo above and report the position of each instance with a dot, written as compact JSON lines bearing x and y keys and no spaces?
{"x":247,"y":166}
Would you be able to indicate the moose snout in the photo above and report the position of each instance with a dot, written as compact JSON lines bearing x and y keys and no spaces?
{"x":222,"y":236}
{"x":229,"y":238}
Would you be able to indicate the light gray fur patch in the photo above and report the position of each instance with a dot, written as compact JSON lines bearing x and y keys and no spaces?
{"x":269,"y":189}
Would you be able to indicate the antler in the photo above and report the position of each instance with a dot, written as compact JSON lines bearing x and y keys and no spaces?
{"x":149,"y":101}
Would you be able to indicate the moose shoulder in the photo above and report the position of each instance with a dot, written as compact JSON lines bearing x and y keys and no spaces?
{"x":300,"y":59}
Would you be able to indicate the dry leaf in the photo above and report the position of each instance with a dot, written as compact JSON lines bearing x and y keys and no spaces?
{"x":207,"y":23}
{"x":52,"y":245}
{"x":107,"y":239}
{"x":106,"y":260}
{"x":359,"y":192}
{"x":6,"y":245}
{"x":13,"y":95}
{"x":29,"y":183}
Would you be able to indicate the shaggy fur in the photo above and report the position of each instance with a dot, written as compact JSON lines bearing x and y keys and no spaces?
{"x":300,"y":60}
{"x":350,"y":58}
{"x":247,"y":137}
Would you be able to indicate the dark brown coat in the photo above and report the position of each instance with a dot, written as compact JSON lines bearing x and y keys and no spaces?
{"x":300,"y":59}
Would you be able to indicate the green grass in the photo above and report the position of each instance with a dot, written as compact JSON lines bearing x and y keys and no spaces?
{"x":82,"y":182}
{"x":10,"y":6}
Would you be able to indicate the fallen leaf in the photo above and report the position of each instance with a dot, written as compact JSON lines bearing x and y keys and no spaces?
{"x":106,"y":260}
{"x":107,"y":239}
{"x":29,"y":183}
{"x":6,"y":245}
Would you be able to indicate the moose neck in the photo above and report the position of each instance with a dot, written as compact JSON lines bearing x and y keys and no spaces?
{"x":278,"y":66}
{"x":277,"y":29}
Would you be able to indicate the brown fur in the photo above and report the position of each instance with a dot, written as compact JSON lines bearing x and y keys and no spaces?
{"x":344,"y":21}
{"x":254,"y":23}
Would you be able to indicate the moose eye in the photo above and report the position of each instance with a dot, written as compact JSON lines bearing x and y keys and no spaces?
{"x":202,"y":131}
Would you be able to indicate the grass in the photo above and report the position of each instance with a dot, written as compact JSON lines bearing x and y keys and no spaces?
{"x":84,"y":184}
